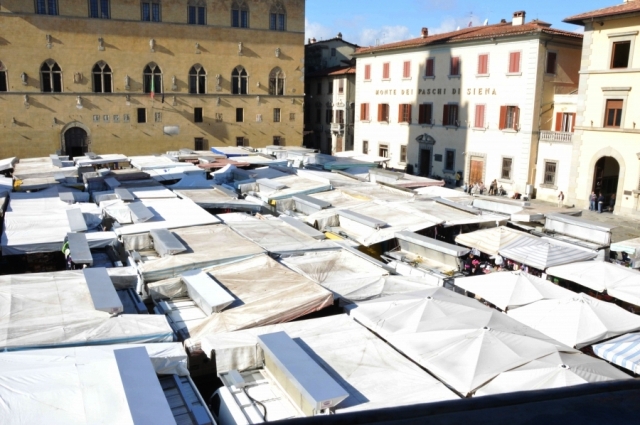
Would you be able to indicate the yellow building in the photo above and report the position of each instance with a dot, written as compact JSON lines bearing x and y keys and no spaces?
{"x":606,"y":143}
{"x":77,"y":75}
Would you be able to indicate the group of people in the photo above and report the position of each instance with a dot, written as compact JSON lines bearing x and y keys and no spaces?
{"x":479,"y":188}
{"x":597,"y":202}
{"x":477,"y":263}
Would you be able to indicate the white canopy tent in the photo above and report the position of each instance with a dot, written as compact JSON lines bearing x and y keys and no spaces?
{"x":623,"y":351}
{"x":631,"y":247}
{"x":491,"y":241}
{"x":203,"y":245}
{"x":266,"y":292}
{"x":508,"y":290}
{"x":457,"y":339}
{"x":619,"y":282}
{"x":374,"y":374}
{"x":349,"y":276}
{"x":88,"y":385}
{"x":577,"y":321}
{"x":57,"y":310}
{"x":545,"y":255}
{"x":557,"y":370}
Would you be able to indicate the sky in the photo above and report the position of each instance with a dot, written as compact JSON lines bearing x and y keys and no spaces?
{"x":367,"y":22}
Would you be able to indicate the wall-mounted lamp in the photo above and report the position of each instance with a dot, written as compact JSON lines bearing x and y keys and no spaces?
{"x":152,"y":45}
{"x":278,"y":52}
{"x":218,"y":86}
{"x":240,"y":48}
{"x":258,"y":84}
{"x":258,"y":100}
{"x":79,"y":102}
{"x":13,"y":122}
{"x":48,"y":38}
{"x":77,"y":77}
{"x":101,"y":44}
{"x":293,"y":101}
{"x":174,"y":102}
{"x":174,"y":85}
{"x":126,"y":82}
{"x":55,"y":121}
{"x":24,"y":78}
{"x":197,"y":48}
{"x":127,"y":100}
{"x":26,"y":101}
{"x":218,"y":101}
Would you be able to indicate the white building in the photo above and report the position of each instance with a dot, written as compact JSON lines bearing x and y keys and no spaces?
{"x":329,"y":94}
{"x":471,"y":101}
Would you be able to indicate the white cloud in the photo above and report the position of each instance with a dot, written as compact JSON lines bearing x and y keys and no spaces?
{"x":386,"y":34}
{"x":317,"y":31}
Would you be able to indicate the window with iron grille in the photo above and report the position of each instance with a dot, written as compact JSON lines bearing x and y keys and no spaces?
{"x":550,"y":168}
{"x":99,"y":9}
{"x":197,"y":115}
{"x":403,"y":153}
{"x":198,"y":144}
{"x":276,"y":114}
{"x":365,"y":146}
{"x":506,"y":168}
{"x":240,"y":141}
{"x":47,"y":7}
{"x":450,"y":159}
{"x":150,"y":10}
{"x":197,"y":12}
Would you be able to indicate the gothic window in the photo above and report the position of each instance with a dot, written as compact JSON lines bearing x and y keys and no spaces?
{"x":197,"y":80}
{"x":4,"y":84}
{"x":99,"y":9}
{"x":50,"y":77}
{"x":197,"y":12}
{"x":239,"y":14}
{"x":102,"y":78}
{"x":278,"y":17}
{"x":47,"y":7}
{"x":239,"y":81}
{"x":276,"y":82}
{"x":150,"y":10}
{"x":152,"y":80}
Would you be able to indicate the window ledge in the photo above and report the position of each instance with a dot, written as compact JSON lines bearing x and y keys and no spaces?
{"x":548,"y":186}
{"x":386,"y":79}
{"x":505,"y":181}
{"x":454,"y":76}
{"x":513,"y":74}
{"x":406,"y":78}
{"x":448,"y":170}
{"x":482,"y":75}
{"x":383,"y":122}
{"x":509,"y":130}
{"x":367,"y":81}
{"x":429,"y":77}
{"x":478,"y":128}
{"x":365,"y":121}
{"x":551,"y":74}
{"x":425,"y":125}
{"x":455,"y":127}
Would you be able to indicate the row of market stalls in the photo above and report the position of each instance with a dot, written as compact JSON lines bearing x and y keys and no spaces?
{"x":308,"y":284}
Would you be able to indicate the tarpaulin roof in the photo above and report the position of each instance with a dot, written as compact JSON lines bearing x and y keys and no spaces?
{"x":81,"y":385}
{"x":578,"y":320}
{"x":266,"y":293}
{"x":511,"y":289}
{"x":203,"y":245}
{"x":376,"y":376}
{"x":56,"y":310}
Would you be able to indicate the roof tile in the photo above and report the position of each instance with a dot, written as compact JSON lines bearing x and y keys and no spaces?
{"x":620,"y":9}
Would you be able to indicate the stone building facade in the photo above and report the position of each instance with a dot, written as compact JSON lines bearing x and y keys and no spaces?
{"x":77,"y":75}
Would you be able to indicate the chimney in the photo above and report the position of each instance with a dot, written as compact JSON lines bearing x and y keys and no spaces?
{"x":503,"y":21}
{"x":313,"y":40}
{"x":309,"y":42}
{"x":425,"y":32}
{"x":518,"y":18}
{"x":340,"y":35}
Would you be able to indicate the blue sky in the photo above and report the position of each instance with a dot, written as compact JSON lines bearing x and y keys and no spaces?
{"x":365,"y":21}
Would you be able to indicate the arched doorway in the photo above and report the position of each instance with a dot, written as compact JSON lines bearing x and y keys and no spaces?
{"x":75,"y":142}
{"x":605,"y":176}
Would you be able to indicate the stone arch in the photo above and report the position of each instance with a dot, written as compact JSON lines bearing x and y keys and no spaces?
{"x":607,"y":151}
{"x":73,"y":125}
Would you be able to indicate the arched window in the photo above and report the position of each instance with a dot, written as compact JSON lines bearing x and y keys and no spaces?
{"x":197,"y":12}
{"x":47,"y":7}
{"x":197,"y":80}
{"x":152,"y":81}
{"x":102,"y":78}
{"x":50,"y":77}
{"x":150,"y":10}
{"x":4,"y":84}
{"x":239,"y":80}
{"x":239,"y":14}
{"x":99,"y":9}
{"x":278,"y":17}
{"x":276,"y":82}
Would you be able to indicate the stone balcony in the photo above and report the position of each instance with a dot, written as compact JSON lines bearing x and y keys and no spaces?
{"x":337,"y":128}
{"x":556,"y":136}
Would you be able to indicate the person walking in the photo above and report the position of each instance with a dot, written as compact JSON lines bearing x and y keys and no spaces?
{"x":560,"y":199}
{"x":600,"y":202}
{"x":592,"y":201}
{"x":612,"y":202}
{"x":465,"y":187}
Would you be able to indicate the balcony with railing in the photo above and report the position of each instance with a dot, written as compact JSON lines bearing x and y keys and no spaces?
{"x":337,"y":128}
{"x":556,"y":136}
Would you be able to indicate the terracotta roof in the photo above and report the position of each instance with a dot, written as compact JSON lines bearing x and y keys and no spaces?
{"x":472,"y":33}
{"x":620,"y":9}
{"x":331,"y":39}
{"x":336,"y":70}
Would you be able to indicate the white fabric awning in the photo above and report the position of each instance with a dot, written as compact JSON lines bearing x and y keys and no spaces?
{"x":577,"y":321}
{"x":511,"y":289}
{"x":545,"y":255}
{"x":490,"y":241}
